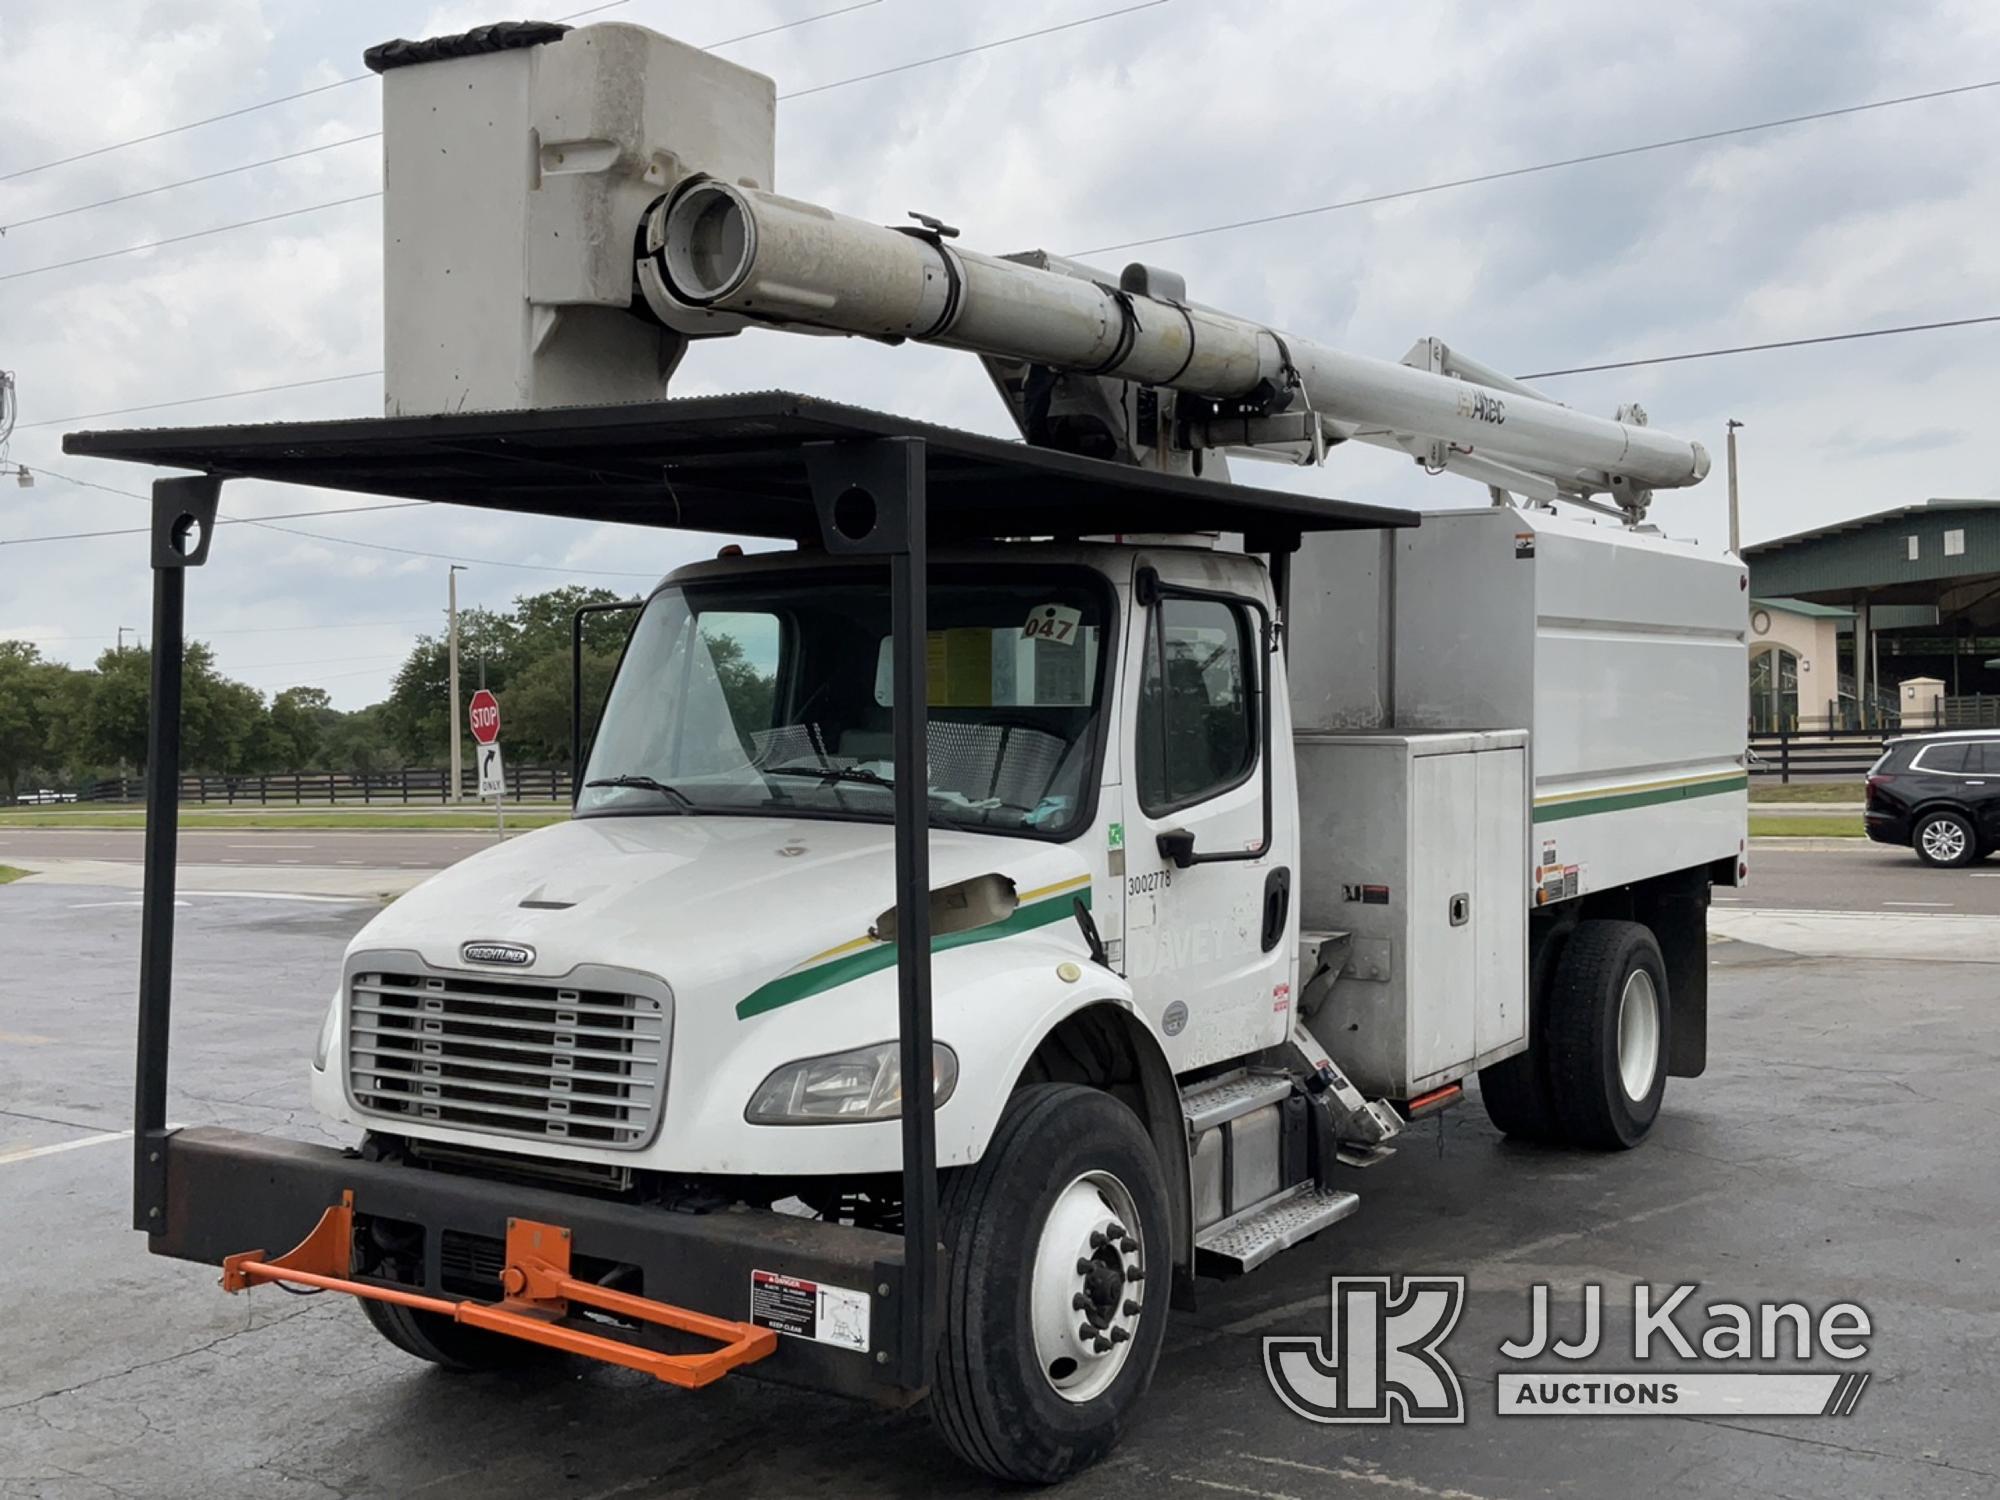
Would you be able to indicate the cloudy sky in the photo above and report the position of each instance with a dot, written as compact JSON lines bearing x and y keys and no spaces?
{"x":1166,"y":118}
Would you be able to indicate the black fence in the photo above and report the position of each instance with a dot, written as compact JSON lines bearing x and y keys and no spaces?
{"x":1971,"y":711}
{"x":1816,"y":754}
{"x":408,"y":784}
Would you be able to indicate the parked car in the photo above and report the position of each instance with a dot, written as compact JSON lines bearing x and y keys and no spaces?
{"x":1938,"y":794}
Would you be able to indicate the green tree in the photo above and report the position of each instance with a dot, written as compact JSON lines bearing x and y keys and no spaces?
{"x":24,"y":711}
{"x":302,"y":721}
{"x":417,"y":710}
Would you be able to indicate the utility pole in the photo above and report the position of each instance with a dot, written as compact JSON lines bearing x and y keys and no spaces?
{"x":122,"y":632}
{"x":451,"y":588}
{"x":1735,"y":515}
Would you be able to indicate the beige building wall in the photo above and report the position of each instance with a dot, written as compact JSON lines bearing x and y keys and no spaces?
{"x":1815,"y":640}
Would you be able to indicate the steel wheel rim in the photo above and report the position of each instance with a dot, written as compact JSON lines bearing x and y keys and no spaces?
{"x":1638,"y":1035}
{"x":1084,"y":1298}
{"x":1944,"y":840}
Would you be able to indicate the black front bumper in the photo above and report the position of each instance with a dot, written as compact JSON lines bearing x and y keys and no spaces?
{"x":229,"y":1192}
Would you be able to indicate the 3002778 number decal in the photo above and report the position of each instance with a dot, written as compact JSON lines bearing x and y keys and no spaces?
{"x":1138,"y":885}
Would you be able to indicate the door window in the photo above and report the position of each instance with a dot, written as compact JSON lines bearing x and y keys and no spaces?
{"x":1196,"y":725}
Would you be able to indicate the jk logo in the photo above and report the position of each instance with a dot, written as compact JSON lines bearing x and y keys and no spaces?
{"x":1382,"y":1363}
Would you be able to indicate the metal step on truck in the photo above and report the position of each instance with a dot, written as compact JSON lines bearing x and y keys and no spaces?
{"x":1052,"y":876}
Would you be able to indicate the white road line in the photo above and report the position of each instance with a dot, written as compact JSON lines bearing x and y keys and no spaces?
{"x":1918,"y":903}
{"x":1361,"y":1476}
{"x":267,"y":846}
{"x":29,"y":1153}
{"x":92,"y":905}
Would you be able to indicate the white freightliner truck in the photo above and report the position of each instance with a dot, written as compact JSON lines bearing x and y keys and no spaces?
{"x":1057,"y":877}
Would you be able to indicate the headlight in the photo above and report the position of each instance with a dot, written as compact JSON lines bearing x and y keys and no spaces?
{"x":326,"y":1030}
{"x":865,"y":1084}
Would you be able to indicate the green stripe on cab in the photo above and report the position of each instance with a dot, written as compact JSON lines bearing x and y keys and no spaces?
{"x":787,"y":988}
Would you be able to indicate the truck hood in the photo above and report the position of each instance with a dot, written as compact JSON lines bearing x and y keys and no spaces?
{"x":718,"y":907}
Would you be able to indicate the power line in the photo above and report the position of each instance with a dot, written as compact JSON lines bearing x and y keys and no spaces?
{"x":247,"y":109}
{"x":255,"y":390}
{"x":1824,"y":338}
{"x":179,"y":239}
{"x":246,"y":630}
{"x":484,"y":562}
{"x":167,"y":187}
{"x":822,"y":88}
{"x":1005,"y":41}
{"x":1546,"y":166}
{"x":342,"y":541}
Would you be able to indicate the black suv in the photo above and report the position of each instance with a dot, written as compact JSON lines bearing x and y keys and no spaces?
{"x":1938,"y":794}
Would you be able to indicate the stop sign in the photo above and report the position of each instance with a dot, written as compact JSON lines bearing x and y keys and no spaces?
{"x":484,"y":711}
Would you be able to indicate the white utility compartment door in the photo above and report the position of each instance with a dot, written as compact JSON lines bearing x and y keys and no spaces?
{"x":1443,"y":951}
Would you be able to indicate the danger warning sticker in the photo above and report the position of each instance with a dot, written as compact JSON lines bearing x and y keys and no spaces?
{"x":813,"y":1310}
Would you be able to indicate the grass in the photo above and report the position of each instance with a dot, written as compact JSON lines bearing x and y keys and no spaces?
{"x":9,"y":874}
{"x":1806,"y":791}
{"x":472,"y":820}
{"x":1830,"y":826}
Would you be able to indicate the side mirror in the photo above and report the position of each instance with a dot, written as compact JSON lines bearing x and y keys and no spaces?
{"x":1177,"y":844}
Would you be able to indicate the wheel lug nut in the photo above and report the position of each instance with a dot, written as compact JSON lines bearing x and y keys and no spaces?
{"x":1085,"y":1267}
{"x":1131,"y":1308}
{"x":1097,"y":1239}
{"x":1086,"y":1332}
{"x":1119,"y":1335}
{"x":1133,"y":1273}
{"x":1080,"y":1302}
{"x":1102,"y":1346}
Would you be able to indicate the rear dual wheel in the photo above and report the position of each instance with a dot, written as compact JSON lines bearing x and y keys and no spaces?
{"x":1596,"y":1067}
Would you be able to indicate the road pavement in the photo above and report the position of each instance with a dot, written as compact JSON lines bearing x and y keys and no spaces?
{"x":1832,"y":1152}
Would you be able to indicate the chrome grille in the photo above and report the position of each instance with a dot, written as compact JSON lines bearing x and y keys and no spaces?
{"x":549,"y":1061}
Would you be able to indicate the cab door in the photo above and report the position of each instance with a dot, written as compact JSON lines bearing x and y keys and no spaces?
{"x":1210,"y":839}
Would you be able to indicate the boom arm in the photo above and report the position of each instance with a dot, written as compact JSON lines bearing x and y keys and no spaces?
{"x":610,"y":148}
{"x":717,"y":248}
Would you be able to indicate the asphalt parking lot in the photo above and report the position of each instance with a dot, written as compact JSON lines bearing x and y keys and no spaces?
{"x":1836,"y":1150}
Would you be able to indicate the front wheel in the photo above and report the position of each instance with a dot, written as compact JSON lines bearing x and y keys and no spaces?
{"x":1056,"y":1305}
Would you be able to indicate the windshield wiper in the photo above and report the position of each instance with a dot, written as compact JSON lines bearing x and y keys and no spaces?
{"x":646,"y":784}
{"x":827,"y":774}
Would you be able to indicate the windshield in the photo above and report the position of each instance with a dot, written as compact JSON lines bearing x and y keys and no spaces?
{"x":752,"y":695}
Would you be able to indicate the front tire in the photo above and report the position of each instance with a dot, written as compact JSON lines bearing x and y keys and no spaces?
{"x":453,"y":1346}
{"x":1945,"y":840}
{"x":1609,"y":1021}
{"x":1049,"y":1337}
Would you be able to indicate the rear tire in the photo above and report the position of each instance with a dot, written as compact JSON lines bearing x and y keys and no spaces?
{"x":1945,"y":840}
{"x":1015,"y":1390}
{"x":1516,"y":1092}
{"x":1609,"y":1021}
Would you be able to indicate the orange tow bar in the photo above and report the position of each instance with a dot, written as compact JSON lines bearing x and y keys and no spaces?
{"x":539,"y":1290}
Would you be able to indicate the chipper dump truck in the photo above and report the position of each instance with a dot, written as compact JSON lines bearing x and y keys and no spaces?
{"x":1055,"y":874}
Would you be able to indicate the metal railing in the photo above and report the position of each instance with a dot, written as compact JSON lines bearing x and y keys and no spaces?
{"x":1816,"y":752}
{"x":406,"y":784}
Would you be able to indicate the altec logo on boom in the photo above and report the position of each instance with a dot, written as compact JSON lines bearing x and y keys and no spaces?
{"x":1384,"y":1360}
